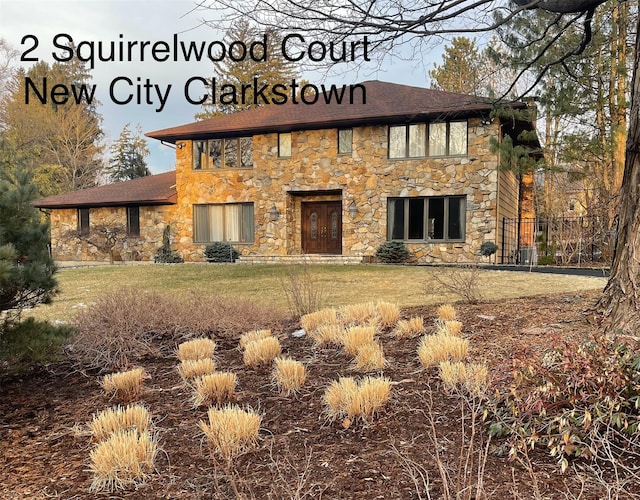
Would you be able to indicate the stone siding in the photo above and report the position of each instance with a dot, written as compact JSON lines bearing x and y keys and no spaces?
{"x":66,"y":246}
{"x":366,"y":177}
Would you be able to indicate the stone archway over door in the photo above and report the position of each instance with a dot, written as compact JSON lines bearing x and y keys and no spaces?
{"x":322,"y":227}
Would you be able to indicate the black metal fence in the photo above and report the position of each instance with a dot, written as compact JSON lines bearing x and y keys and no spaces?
{"x":574,"y":241}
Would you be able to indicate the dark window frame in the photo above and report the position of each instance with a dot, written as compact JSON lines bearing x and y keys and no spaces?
{"x":427,"y":152}
{"x":84,"y":221}
{"x":204,"y":148}
{"x":133,"y":221}
{"x":429,"y":225}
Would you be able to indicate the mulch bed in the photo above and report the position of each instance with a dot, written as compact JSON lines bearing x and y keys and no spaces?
{"x":44,"y":447}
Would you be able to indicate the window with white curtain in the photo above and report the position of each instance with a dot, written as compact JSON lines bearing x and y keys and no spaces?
{"x":418,"y":140}
{"x":231,"y":222}
{"x":438,"y":218}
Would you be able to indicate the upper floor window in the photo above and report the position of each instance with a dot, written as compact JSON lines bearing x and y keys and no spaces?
{"x":434,"y":139}
{"x":223,"y":153}
{"x":436,"y":218}
{"x":345,"y":141}
{"x":133,"y":221}
{"x":83,"y":221}
{"x":284,"y":145}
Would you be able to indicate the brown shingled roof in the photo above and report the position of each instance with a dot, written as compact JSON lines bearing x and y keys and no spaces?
{"x":385,"y":103}
{"x":157,"y":189}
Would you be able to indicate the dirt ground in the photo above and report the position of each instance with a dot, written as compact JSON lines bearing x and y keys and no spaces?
{"x":44,"y":447}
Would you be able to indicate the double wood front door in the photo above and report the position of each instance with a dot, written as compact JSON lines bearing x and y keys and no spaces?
{"x":322,"y":227}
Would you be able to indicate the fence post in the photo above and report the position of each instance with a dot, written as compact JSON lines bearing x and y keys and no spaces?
{"x":503,"y":240}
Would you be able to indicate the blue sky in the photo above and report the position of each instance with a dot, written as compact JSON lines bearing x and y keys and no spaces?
{"x":138,"y":20}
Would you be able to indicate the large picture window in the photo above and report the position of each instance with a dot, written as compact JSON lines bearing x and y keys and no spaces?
{"x":426,"y":219}
{"x":418,"y":140}
{"x":223,"y":153}
{"x":229,"y":222}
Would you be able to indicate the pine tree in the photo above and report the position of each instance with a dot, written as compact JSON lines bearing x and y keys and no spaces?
{"x":128,"y":155}
{"x":26,"y":266}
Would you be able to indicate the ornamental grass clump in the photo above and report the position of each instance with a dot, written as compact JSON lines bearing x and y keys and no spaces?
{"x":446,"y":312}
{"x":117,"y":419}
{"x":231,"y":430}
{"x":328,"y":334}
{"x":124,"y":386}
{"x":288,"y":375}
{"x":450,"y":327}
{"x":214,"y":388}
{"x":388,"y":314}
{"x":436,"y":348}
{"x":358,"y":314}
{"x":357,"y":336}
{"x":261,"y":352}
{"x":409,"y":328}
{"x":471,"y":377}
{"x":123,"y":460}
{"x":245,"y":338}
{"x":191,"y":369}
{"x":350,"y":399}
{"x":369,"y":357}
{"x":312,"y":321}
{"x":196,"y":349}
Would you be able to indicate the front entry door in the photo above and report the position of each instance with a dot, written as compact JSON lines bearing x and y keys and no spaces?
{"x":322,"y":227}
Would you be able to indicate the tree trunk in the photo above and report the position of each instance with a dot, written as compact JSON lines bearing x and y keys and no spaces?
{"x":620,"y":302}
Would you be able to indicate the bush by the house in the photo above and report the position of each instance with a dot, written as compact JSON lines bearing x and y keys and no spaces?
{"x":488,"y":248}
{"x":165,"y":254}
{"x":221,"y":251}
{"x":392,"y":252}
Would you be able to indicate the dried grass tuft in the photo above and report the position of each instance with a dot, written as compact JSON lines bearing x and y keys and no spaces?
{"x":196,"y":349}
{"x":328,"y":334}
{"x":347,"y":398}
{"x":117,"y":419}
{"x":312,"y":321}
{"x":289,"y":375}
{"x":472,"y":377}
{"x":230,"y":430}
{"x":446,"y":312}
{"x":253,"y":335}
{"x":436,"y":348}
{"x":358,"y":314}
{"x":370,"y":357}
{"x":388,"y":314}
{"x":216,"y":387}
{"x":124,"y":386}
{"x":450,"y":327}
{"x":191,"y":369}
{"x":123,"y":460}
{"x":409,"y":328}
{"x":261,"y":351}
{"x":356,"y":336}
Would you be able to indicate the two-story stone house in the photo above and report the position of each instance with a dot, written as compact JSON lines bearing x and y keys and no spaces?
{"x":398,"y":163}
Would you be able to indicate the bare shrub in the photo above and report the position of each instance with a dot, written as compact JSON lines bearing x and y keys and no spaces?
{"x":370,"y":357}
{"x":347,"y":398}
{"x":261,"y":351}
{"x":289,"y":375}
{"x":436,"y":348}
{"x":230,"y":430}
{"x":123,"y":328}
{"x":191,"y":369}
{"x":123,"y":460}
{"x":195,"y":349}
{"x":312,"y":321}
{"x":328,"y":334}
{"x":357,"y":336}
{"x":245,"y":338}
{"x":388,"y":314}
{"x":409,"y":328}
{"x":117,"y":419}
{"x":215,"y":387}
{"x":124,"y":386}
{"x":302,"y":290}
{"x":461,"y":281}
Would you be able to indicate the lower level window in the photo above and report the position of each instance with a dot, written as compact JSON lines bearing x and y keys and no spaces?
{"x":423,"y":219}
{"x":83,"y":221}
{"x":229,"y":222}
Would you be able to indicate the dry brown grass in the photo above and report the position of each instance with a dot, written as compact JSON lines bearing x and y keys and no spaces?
{"x":328,"y":334}
{"x":358,"y":314}
{"x":370,"y":357}
{"x":191,"y":369}
{"x":472,"y":377}
{"x":193,"y":350}
{"x":450,"y":327}
{"x":261,"y":351}
{"x":436,"y":348}
{"x":230,"y":430}
{"x":123,"y":460}
{"x":347,"y":398}
{"x":312,"y":321}
{"x":409,"y":328}
{"x":245,"y":338}
{"x":388,"y":314}
{"x":446,"y":312}
{"x":356,"y":336}
{"x":289,"y":375}
{"x":117,"y":419}
{"x":217,"y":387}
{"x":124,"y":386}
